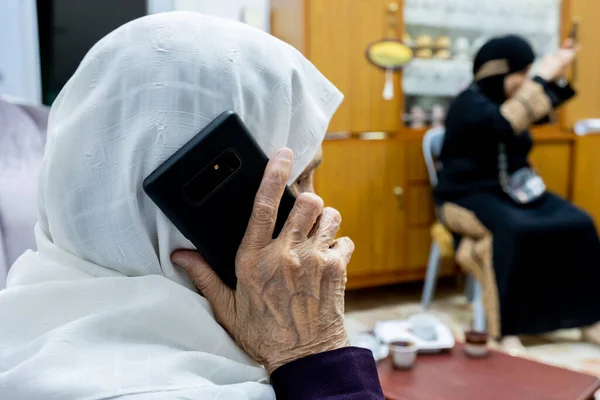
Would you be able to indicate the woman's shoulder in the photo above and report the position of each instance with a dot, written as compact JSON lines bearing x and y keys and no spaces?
{"x":469,"y":97}
{"x":469,"y":107}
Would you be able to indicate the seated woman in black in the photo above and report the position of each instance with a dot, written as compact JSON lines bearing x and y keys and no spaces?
{"x":537,"y":255}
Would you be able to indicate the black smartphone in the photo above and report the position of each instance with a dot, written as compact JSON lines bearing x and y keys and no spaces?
{"x":207,"y":190}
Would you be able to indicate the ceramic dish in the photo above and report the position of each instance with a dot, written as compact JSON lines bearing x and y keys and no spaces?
{"x":401,"y":330}
{"x":368,"y":341}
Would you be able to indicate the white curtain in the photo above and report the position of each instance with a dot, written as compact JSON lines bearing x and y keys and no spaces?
{"x":20,"y":54}
{"x":238,"y":10}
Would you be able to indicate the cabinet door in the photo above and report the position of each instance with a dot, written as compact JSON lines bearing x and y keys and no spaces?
{"x":339,"y":32}
{"x":329,"y":34}
{"x":370,"y":112}
{"x":586,"y":179}
{"x":587,"y":102}
{"x":553,"y":162}
{"x":363,"y":180}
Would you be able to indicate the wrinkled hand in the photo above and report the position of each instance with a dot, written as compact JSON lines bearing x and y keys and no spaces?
{"x":289,"y":300}
{"x":555,"y":66}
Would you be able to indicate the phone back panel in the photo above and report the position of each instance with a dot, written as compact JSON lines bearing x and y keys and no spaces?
{"x":207,"y":190}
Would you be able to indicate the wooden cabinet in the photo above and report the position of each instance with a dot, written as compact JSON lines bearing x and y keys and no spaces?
{"x":327,"y":20}
{"x":382,"y":190}
{"x":363,"y":181}
{"x":552,"y":157}
{"x":586,"y":175}
{"x":334,"y":35}
{"x":587,"y":102}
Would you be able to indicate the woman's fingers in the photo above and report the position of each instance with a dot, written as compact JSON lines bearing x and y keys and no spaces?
{"x":343,"y":247}
{"x":569,"y":43}
{"x":302,"y":218}
{"x":567,"y":55}
{"x":210,"y":285}
{"x":264,"y":214}
{"x":328,"y":227}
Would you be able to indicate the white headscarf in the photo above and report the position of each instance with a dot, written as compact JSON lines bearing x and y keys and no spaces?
{"x":99,"y":311}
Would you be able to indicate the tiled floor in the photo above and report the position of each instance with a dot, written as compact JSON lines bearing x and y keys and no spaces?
{"x":365,"y":307}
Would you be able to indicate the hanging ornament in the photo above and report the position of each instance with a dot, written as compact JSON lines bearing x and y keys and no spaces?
{"x":388,"y":88}
{"x":390,"y":54}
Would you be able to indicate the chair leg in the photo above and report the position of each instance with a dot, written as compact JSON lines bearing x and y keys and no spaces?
{"x":470,"y":288}
{"x":478,"y":309}
{"x":431,"y":277}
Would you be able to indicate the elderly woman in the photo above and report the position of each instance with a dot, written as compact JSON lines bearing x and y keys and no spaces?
{"x":22,"y":137}
{"x":101,"y":311}
{"x":537,"y":255}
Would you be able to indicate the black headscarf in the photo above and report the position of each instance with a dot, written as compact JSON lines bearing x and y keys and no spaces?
{"x":498,"y":58}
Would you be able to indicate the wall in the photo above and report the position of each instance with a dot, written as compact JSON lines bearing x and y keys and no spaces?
{"x":19,"y":56}
{"x":231,"y":9}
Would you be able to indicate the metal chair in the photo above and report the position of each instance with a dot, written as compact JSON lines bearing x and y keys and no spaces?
{"x":432,"y":147}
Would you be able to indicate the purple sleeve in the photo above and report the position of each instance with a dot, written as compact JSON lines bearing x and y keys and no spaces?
{"x":344,"y":374}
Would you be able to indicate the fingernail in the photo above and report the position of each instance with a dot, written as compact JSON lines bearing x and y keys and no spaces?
{"x":285,"y":154}
{"x":181,"y":261}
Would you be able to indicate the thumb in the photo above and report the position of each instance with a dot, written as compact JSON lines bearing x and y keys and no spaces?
{"x":220,"y":297}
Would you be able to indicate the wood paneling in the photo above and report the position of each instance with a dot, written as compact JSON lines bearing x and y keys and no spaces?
{"x":334,"y":35}
{"x":288,"y":22}
{"x":330,"y":49}
{"x":419,"y":201}
{"x":418,"y":244}
{"x":553,"y":162}
{"x":415,"y":164}
{"x":370,"y":112}
{"x":358,"y":179}
{"x":587,"y":102}
{"x":385,"y":278}
{"x":586,"y":175}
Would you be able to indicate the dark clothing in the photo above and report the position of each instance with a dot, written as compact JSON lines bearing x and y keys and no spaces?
{"x":516,"y":55}
{"x":469,"y":156}
{"x":546,"y":258}
{"x":474,"y":127}
{"x":546,"y":254}
{"x":344,"y":374}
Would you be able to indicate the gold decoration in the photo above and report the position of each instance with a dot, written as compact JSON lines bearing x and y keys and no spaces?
{"x":424,"y":53}
{"x":423,"y":41}
{"x":442,"y":42}
{"x":389,"y":54}
{"x":443,"y":54}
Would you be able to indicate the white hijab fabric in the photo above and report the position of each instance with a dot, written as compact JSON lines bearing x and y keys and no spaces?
{"x":22,"y":137}
{"x":99,"y":312}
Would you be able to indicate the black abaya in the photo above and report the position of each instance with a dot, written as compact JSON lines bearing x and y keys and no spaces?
{"x":545,"y":254}
{"x":546,"y":257}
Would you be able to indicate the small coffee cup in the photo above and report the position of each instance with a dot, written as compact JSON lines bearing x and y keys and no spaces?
{"x":404,"y":354}
{"x":476,"y":344}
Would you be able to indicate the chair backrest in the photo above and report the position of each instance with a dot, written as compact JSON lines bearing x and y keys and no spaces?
{"x":432,"y":147}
